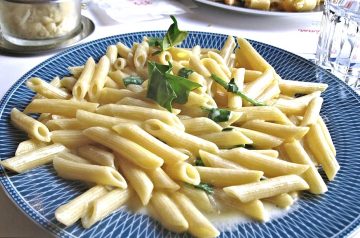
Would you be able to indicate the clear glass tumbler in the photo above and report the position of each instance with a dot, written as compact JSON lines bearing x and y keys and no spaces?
{"x":338,"y":47}
{"x":39,"y":22}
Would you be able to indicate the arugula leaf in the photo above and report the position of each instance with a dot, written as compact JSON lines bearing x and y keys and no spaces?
{"x":218,"y":114}
{"x":208,"y":188}
{"x":231,"y":87}
{"x":185,"y":73}
{"x":172,"y":37}
{"x":199,"y":162}
{"x":132,"y":80}
{"x":165,"y":87}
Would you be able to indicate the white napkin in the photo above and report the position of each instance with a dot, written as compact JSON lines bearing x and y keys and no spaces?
{"x":125,"y":11}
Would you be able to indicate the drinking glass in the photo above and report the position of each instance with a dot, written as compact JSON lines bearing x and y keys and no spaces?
{"x":338,"y":47}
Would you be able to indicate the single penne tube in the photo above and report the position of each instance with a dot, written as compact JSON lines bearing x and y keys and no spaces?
{"x":164,"y":57}
{"x":272,"y":91}
{"x":149,"y":142}
{"x":286,"y":132}
{"x":72,"y":157}
{"x":271,"y":166}
{"x":123,"y":50}
{"x":32,"y":159}
{"x":29,"y":145}
{"x":251,"y":75}
{"x":235,"y":101}
{"x":255,"y":88}
{"x":140,"y":113}
{"x":125,"y":147}
{"x":200,"y":125}
{"x":196,"y":65}
{"x":228,"y":48}
{"x":267,"y":188}
{"x":283,"y":200}
{"x":215,"y":161}
{"x":82,"y":85}
{"x":111,"y":53}
{"x":261,"y":140}
{"x":103,"y":175}
{"x":297,"y":154}
{"x":68,"y":82}
{"x":234,"y":117}
{"x":266,"y":113}
{"x":177,"y":138}
{"x":291,"y":87}
{"x":289,"y":107}
{"x":61,"y":107}
{"x":167,"y":212}
{"x":76,"y":70}
{"x":198,"y":197}
{"x":227,"y":139}
{"x":319,"y":147}
{"x":254,"y":209}
{"x":72,"y":211}
{"x":46,"y":89}
{"x":161,"y":180}
{"x":97,"y":155}
{"x":180,"y":53}
{"x":141,"y":55}
{"x":254,"y":59}
{"x":118,"y":76}
{"x":220,"y":60}
{"x":195,"y":99}
{"x":113,"y":95}
{"x":271,"y":153}
{"x":137,"y":178}
{"x":70,"y":138}
{"x":182,"y":171}
{"x":120,"y":64}
{"x":65,"y":124}
{"x":31,"y":126}
{"x":221,"y":177}
{"x":104,"y":205}
{"x":312,"y":112}
{"x":326,"y":134}
{"x":90,"y":119}
{"x":214,"y":68}
{"x":99,"y":78}
{"x":199,"y":225}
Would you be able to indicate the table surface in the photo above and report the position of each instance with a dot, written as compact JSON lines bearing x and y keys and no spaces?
{"x":294,"y":34}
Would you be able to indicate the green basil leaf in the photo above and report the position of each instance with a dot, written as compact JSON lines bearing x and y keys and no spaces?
{"x":154,"y":41}
{"x":219,"y":115}
{"x":132,"y":80}
{"x":199,"y":162}
{"x":173,"y":36}
{"x":159,"y":89}
{"x":208,"y":188}
{"x":185,"y":73}
{"x":165,"y":88}
{"x":181,"y":87}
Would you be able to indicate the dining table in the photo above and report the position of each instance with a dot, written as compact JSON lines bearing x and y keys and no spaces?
{"x":296,"y":33}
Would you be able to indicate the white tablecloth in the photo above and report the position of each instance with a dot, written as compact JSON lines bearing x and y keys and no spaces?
{"x":295,"y":34}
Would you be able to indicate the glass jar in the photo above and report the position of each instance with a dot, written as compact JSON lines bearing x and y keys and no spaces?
{"x":39,"y":22}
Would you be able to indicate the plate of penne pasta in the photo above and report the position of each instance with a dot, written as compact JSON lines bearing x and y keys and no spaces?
{"x":268,"y":7}
{"x":179,"y":134}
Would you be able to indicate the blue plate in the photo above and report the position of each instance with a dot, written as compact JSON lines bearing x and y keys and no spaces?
{"x":336,"y":214}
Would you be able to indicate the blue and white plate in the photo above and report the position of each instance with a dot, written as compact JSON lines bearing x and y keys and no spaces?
{"x":336,"y":214}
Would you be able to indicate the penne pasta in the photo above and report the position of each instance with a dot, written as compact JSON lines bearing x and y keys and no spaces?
{"x":198,"y":197}
{"x":161,"y":180}
{"x":64,"y":124}
{"x":215,"y":161}
{"x":261,"y":140}
{"x":182,"y":171}
{"x":72,"y":211}
{"x":46,"y":89}
{"x":31,"y":126}
{"x":29,"y":145}
{"x":99,"y":78}
{"x":283,"y":200}
{"x":290,"y":87}
{"x":267,"y":188}
{"x":126,"y":148}
{"x":97,"y":155}
{"x":103,"y":206}
{"x":200,"y":125}
{"x":70,"y":138}
{"x":103,"y":175}
{"x":312,"y":112}
{"x":271,"y":167}
{"x":82,"y":85}
{"x":227,"y":139}
{"x":32,"y":159}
